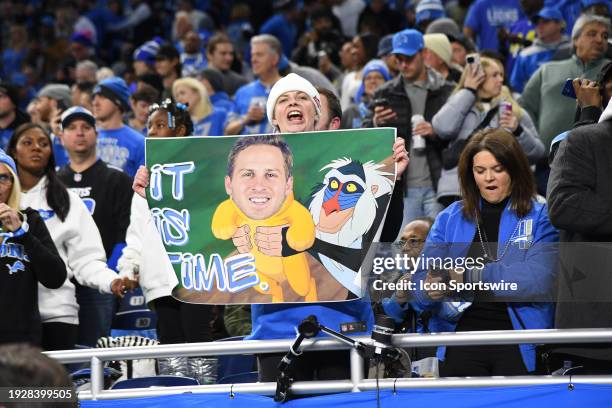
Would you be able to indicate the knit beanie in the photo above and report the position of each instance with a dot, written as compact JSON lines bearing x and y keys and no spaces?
{"x":440,"y":45}
{"x":115,"y":89}
{"x":292,"y":82}
{"x":8,"y":160}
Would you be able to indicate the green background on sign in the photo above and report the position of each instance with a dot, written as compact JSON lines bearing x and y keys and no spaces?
{"x":205,"y":189}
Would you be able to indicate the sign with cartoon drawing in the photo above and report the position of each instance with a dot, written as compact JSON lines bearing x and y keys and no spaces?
{"x":270,"y":218}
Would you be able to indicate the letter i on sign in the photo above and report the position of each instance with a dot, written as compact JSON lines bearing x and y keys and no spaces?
{"x":155,"y":188}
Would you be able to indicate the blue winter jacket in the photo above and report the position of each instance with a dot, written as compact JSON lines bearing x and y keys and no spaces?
{"x":530,"y":262}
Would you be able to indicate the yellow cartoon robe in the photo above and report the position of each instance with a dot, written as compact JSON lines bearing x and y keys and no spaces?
{"x":274,"y":270}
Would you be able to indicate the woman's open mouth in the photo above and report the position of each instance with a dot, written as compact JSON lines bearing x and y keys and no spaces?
{"x":295,"y":116}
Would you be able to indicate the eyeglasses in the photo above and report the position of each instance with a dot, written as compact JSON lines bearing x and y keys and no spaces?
{"x":6,"y":179}
{"x":410,"y":242}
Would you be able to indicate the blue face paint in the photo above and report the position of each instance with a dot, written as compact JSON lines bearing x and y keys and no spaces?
{"x":348,"y":200}
{"x":348,"y":196}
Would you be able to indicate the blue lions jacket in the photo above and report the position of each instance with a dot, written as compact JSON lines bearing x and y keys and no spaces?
{"x":530,"y":262}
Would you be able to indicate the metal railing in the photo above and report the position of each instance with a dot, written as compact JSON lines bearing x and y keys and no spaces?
{"x":356,"y":383}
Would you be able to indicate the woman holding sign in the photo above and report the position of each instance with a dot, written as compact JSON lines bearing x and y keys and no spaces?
{"x":501,"y":248}
{"x":294,"y":106}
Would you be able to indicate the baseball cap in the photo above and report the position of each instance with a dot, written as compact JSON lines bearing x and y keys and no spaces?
{"x":549,"y":13}
{"x":385,"y":46}
{"x":407,"y":42}
{"x":77,"y":112}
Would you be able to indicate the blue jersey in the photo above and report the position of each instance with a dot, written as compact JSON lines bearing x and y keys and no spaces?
{"x":212,"y":125}
{"x":523,"y":29}
{"x":5,"y":137}
{"x":528,"y":62}
{"x":222,"y":100}
{"x":193,"y":63}
{"x":254,"y":92}
{"x":485,"y":16}
{"x":123,"y":148}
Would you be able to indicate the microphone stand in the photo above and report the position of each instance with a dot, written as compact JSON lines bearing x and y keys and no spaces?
{"x":309,"y":328}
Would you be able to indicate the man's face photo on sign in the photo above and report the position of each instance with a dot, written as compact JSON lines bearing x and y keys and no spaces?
{"x":259,"y":182}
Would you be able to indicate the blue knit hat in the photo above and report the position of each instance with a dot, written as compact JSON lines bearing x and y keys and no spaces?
{"x":147,"y":51}
{"x":429,"y":10}
{"x":8,"y":160}
{"x":115,"y":89}
{"x":374,"y":65}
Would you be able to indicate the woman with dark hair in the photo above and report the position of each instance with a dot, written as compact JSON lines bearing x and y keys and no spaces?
{"x":72,"y":229}
{"x":365,"y":47}
{"x":499,"y":239}
{"x":144,"y":258}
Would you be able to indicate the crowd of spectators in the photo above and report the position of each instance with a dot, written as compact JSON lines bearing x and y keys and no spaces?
{"x":82,"y":83}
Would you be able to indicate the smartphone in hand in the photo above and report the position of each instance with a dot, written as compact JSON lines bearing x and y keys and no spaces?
{"x":382,"y":102}
{"x":568,"y":89}
{"x":473,"y":61}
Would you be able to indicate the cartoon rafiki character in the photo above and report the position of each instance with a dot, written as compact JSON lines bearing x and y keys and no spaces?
{"x":260,"y":186}
{"x":344,"y":209}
